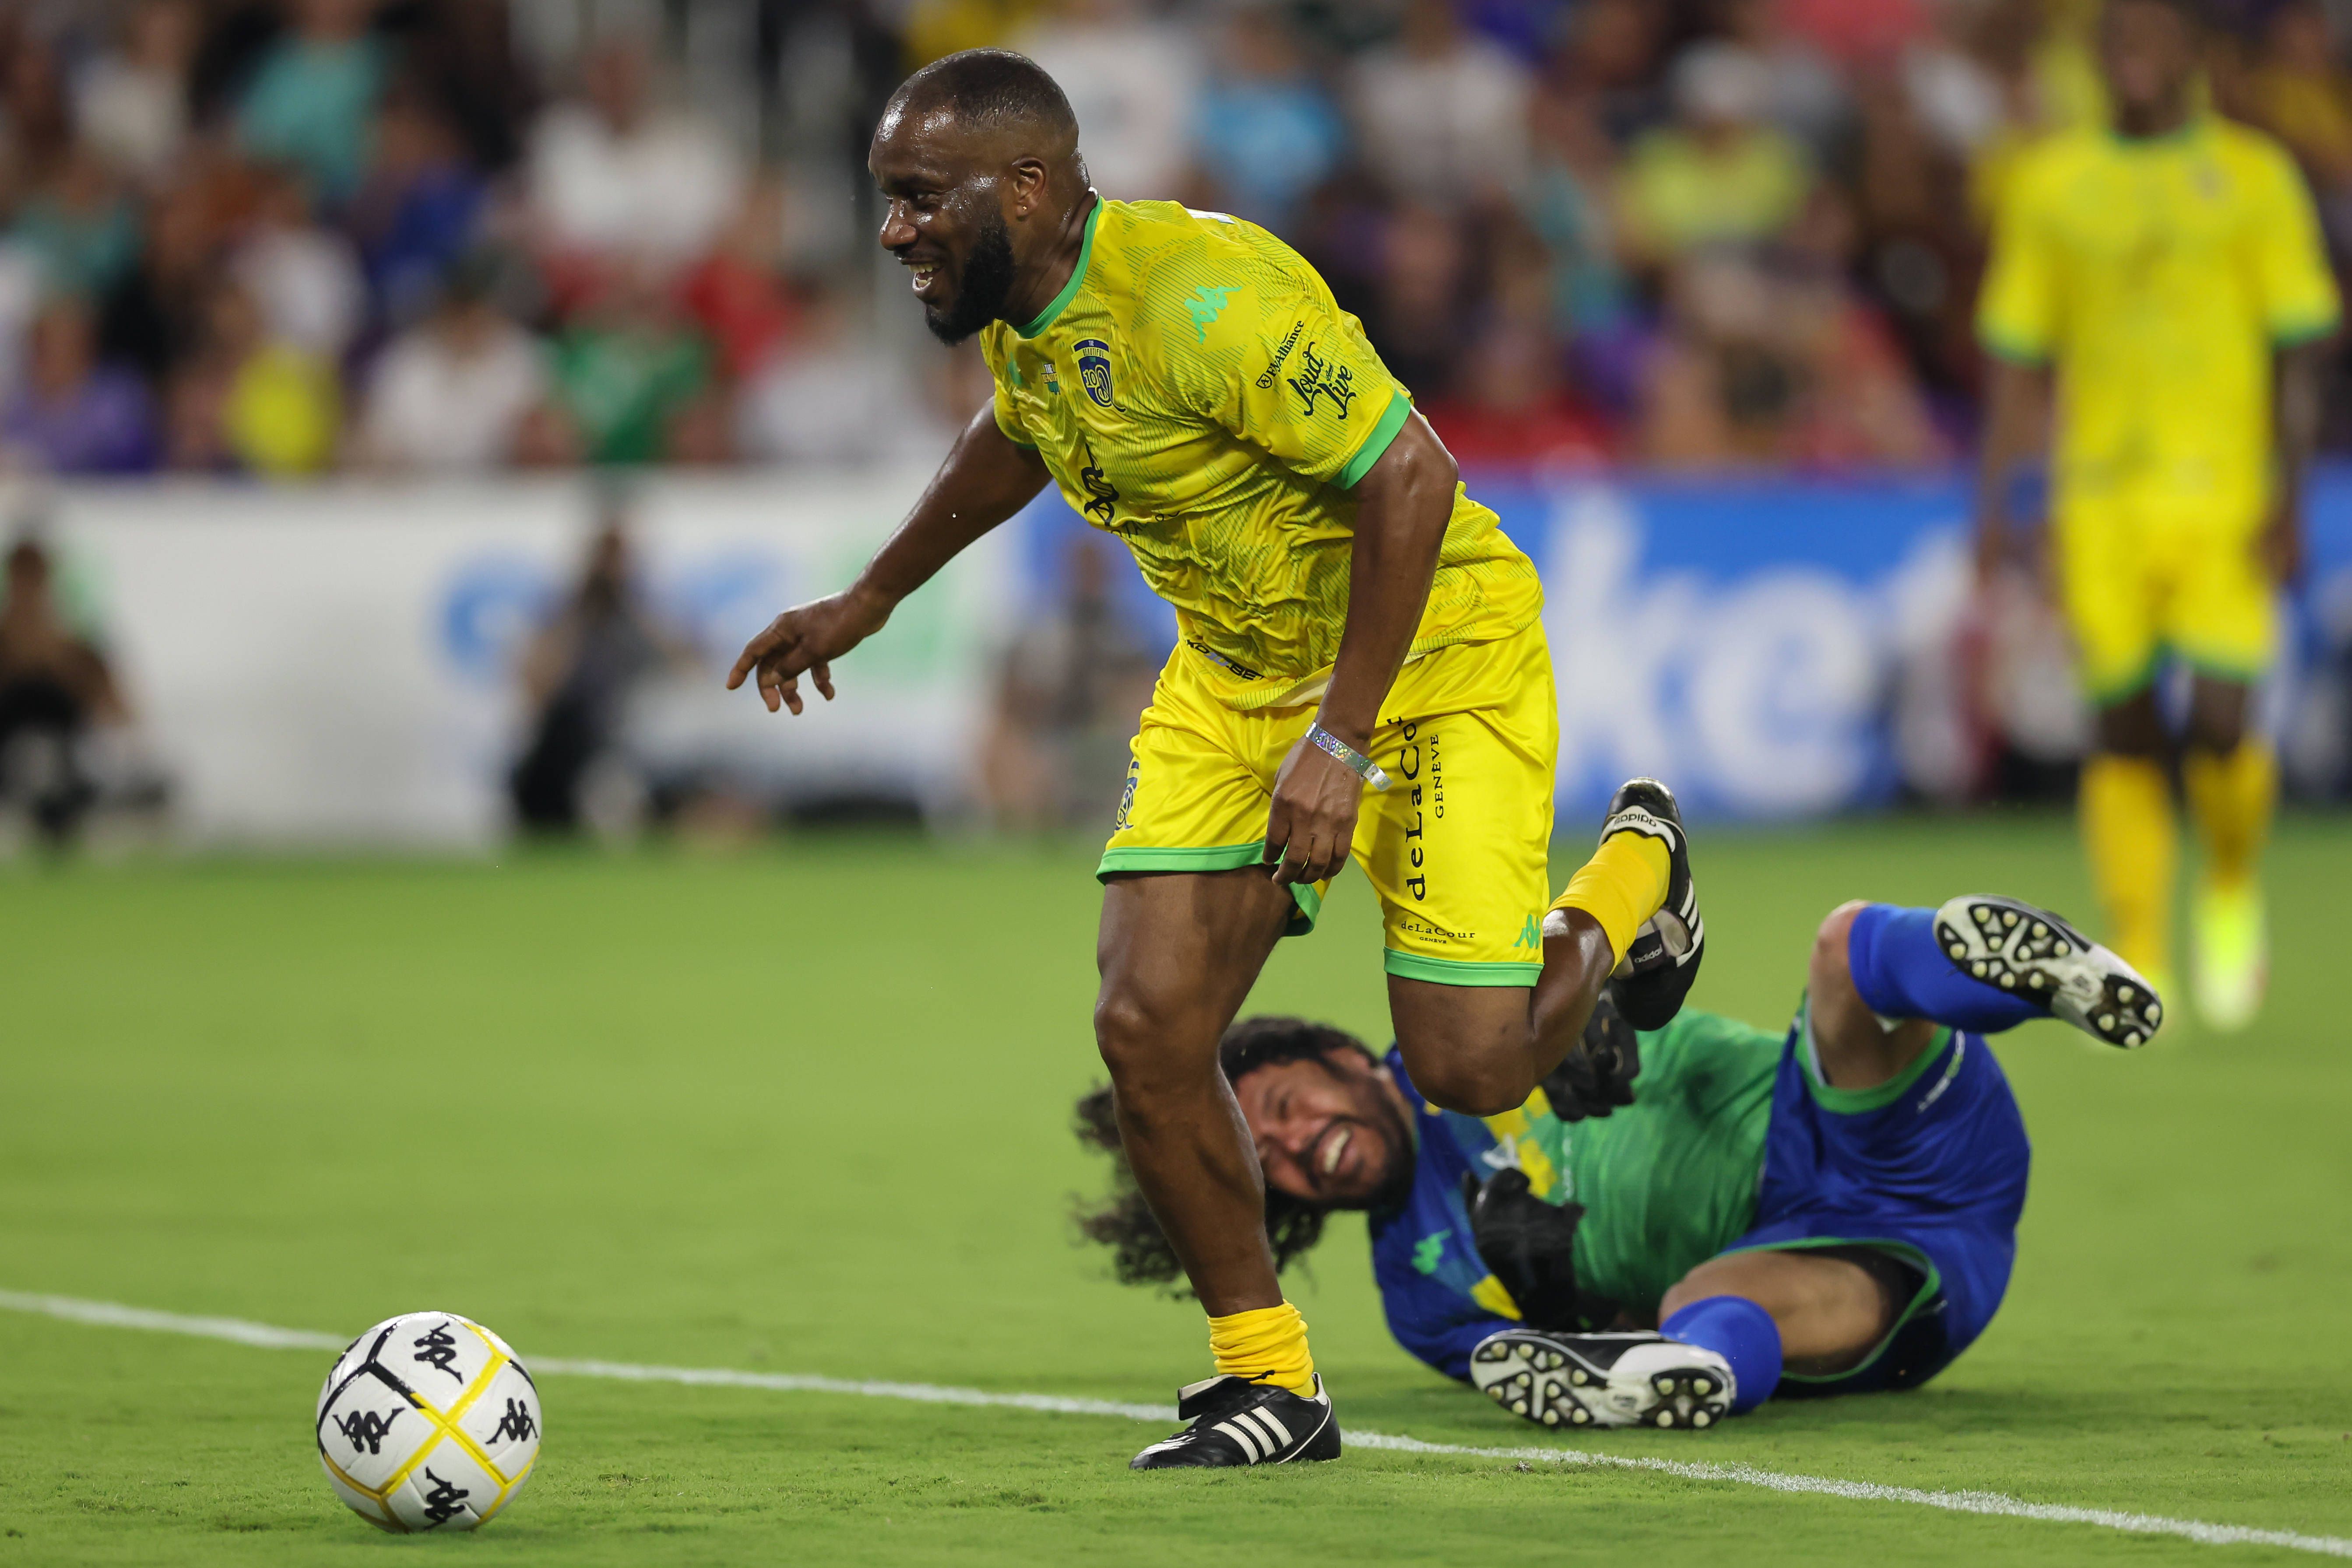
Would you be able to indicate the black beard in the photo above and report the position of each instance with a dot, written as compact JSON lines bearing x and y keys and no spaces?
{"x":1396,"y":1182}
{"x":984,"y":282}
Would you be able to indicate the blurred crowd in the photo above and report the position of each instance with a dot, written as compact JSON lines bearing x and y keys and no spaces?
{"x":284,"y":237}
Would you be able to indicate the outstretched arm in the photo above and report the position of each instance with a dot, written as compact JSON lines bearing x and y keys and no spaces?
{"x":2297,"y":414}
{"x":2017,"y":396}
{"x":1405,"y":503}
{"x":986,"y":479}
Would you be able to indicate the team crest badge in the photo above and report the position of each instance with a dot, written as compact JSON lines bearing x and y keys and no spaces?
{"x":1094,"y":369}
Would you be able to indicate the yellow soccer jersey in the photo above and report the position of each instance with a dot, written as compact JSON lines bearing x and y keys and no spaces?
{"x":1195,"y":390}
{"x":2156,"y":276}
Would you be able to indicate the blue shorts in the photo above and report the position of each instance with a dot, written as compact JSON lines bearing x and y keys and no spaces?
{"x":1929,"y":1168}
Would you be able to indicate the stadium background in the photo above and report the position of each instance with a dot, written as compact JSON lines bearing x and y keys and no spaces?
{"x":340,"y":314}
{"x":333,"y":332}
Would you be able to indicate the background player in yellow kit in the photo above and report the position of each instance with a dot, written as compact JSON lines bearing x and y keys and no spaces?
{"x":1347,"y":617}
{"x":2168,"y":270}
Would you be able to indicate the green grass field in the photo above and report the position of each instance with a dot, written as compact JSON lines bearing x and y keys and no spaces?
{"x":808,"y":1111}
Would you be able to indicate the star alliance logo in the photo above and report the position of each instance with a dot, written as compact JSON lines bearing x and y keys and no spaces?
{"x":1317,"y":378}
{"x":366,"y":1429}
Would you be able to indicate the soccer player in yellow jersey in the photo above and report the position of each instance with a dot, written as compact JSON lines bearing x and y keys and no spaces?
{"x":2166,"y":272}
{"x":1361,"y":673}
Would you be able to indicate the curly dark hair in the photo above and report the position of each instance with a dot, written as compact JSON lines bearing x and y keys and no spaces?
{"x":1141,"y":1254}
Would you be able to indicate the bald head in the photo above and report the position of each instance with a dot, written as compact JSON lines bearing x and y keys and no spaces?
{"x":991,"y":90}
{"x":978,"y":155}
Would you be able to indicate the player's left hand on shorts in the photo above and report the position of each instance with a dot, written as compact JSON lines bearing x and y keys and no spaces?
{"x":1312,"y":824}
{"x":804,"y":640}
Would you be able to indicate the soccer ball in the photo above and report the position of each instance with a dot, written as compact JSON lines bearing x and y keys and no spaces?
{"x":427,"y":1422}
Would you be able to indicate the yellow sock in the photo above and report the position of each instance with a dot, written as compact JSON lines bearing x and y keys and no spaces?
{"x":1264,"y":1344}
{"x":1621,"y":886}
{"x":2133,"y":843}
{"x":2232,"y":797}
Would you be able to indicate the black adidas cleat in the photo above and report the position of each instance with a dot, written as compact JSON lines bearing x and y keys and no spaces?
{"x":1236,"y":1422}
{"x":1656,"y":971}
{"x":2034,"y":954}
{"x":1603,"y":1380}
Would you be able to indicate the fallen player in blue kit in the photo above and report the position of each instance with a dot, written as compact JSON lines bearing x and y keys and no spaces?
{"x":1826,"y":1211}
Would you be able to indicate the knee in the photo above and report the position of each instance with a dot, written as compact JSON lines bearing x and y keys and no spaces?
{"x":1836,"y":929}
{"x":2219,"y":733}
{"x":1459,"y":1081}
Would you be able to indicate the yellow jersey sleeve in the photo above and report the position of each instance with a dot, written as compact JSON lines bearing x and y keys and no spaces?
{"x":1282,"y":367}
{"x":2017,"y":310}
{"x":2296,"y":289}
{"x":993,"y":348}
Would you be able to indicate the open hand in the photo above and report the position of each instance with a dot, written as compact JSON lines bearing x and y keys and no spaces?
{"x":1312,"y":824}
{"x":804,"y":640}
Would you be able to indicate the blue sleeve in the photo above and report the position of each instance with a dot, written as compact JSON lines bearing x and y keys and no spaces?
{"x":1431,"y":1321}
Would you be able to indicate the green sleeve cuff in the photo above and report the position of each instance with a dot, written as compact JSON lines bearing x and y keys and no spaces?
{"x":1391,"y":420}
{"x":2295,"y":334}
{"x":2015,"y":349}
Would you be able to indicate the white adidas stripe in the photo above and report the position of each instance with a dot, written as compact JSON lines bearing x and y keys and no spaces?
{"x":115,"y":1315}
{"x":1249,"y":1438}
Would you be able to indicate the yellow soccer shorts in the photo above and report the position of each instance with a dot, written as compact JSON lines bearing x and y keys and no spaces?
{"x":2139,"y":585}
{"x":1457,"y":846}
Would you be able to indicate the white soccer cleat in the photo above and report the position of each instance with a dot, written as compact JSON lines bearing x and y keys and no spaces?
{"x":2032,"y":954}
{"x":1603,"y":1380}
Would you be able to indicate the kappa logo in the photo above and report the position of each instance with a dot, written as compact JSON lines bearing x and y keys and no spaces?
{"x":1429,"y":1251}
{"x":1318,"y":377}
{"x":443,"y":1502}
{"x":366,"y":1429}
{"x":438,"y":1349}
{"x":1530,"y":934}
{"x":516,"y":1423}
{"x":1206,"y":304}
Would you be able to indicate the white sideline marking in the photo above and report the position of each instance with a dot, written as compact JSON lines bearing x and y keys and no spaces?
{"x":114,"y":1315}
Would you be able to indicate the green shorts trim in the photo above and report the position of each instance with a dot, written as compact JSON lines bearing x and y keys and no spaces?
{"x":1211,"y":858}
{"x":1854,"y":1101}
{"x":2107,"y":694}
{"x":1459,"y":971}
{"x":1932,"y":1287}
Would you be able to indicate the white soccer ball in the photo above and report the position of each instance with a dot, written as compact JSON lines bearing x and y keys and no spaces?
{"x":427,"y":1422}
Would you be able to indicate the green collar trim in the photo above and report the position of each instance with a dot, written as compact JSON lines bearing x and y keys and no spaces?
{"x":1078,"y":277}
{"x":2188,"y":131}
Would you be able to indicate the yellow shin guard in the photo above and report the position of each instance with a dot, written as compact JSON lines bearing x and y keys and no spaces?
{"x":1621,"y":886}
{"x":2133,"y":843}
{"x":2232,"y":796}
{"x":1265,"y":1344}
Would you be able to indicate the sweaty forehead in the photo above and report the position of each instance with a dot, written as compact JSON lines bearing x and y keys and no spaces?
{"x":936,"y":138}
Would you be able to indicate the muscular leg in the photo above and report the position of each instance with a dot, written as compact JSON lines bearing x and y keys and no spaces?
{"x":2129,"y":830}
{"x":1854,"y":1049}
{"x":1480,"y":1049}
{"x":1830,"y":1311}
{"x":1177,"y":953}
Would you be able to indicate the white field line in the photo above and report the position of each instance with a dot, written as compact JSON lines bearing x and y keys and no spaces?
{"x":113,"y":1315}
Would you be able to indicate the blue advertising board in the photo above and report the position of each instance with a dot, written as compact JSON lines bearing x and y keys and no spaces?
{"x":1742,"y":635}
